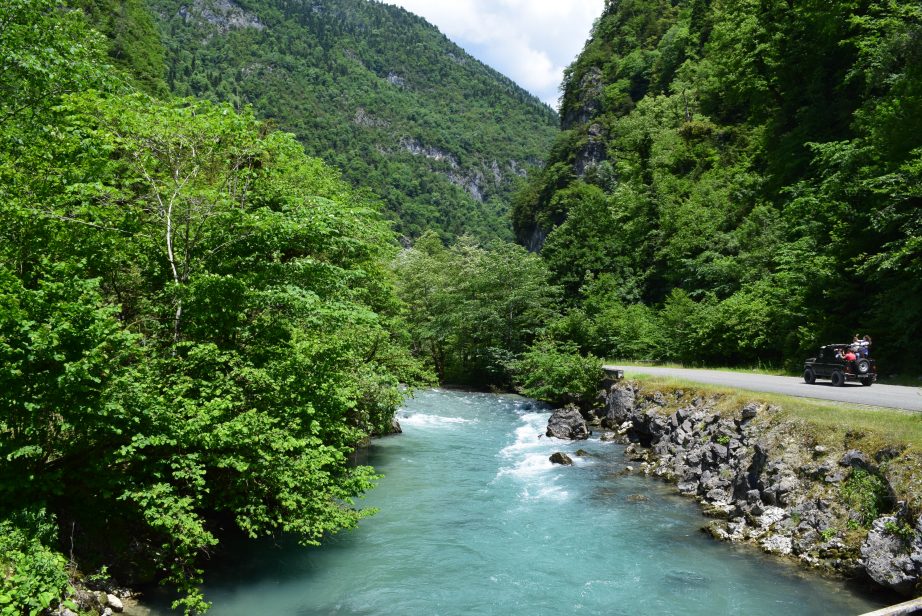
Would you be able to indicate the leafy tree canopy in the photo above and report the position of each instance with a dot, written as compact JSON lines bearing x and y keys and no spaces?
{"x":198,"y":324}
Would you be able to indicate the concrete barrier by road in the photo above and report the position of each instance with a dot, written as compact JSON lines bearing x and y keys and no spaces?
{"x":901,"y":609}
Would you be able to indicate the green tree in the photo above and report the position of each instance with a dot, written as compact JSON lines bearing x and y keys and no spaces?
{"x":474,"y":310}
{"x":559,"y":374}
{"x":199,"y":322}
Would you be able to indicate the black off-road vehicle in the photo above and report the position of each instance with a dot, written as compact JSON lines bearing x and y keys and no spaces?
{"x":827,"y":365}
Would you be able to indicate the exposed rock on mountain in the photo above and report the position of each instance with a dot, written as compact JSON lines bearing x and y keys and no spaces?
{"x":375,"y":90}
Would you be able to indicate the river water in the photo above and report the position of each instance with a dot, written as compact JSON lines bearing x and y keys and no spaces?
{"x":474,"y":519}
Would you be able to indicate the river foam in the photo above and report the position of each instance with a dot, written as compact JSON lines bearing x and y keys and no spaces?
{"x":424,"y":420}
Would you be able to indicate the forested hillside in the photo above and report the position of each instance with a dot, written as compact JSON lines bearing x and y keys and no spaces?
{"x":375,"y":91}
{"x":738,"y":181}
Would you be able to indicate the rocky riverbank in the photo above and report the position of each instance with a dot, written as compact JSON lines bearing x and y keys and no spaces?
{"x":771,"y":480}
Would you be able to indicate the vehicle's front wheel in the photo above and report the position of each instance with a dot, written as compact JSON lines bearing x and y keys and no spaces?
{"x":866,"y":382}
{"x":838,"y":379}
{"x":809,"y":376}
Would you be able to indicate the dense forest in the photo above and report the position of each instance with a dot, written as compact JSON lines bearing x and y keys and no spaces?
{"x":738,"y":181}
{"x":374,"y":90}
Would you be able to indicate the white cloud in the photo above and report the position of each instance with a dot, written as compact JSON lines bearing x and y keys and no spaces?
{"x":530,"y":41}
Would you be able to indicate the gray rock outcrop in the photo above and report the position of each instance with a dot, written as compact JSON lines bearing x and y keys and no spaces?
{"x":892,"y":554}
{"x":764,"y":483}
{"x":567,"y":423}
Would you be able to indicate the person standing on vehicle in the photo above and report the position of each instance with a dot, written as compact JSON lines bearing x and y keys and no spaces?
{"x":864,"y":346}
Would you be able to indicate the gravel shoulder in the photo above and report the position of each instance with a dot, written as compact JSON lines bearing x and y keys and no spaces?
{"x":889,"y":396}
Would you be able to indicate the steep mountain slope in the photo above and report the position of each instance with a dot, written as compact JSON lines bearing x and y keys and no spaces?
{"x":747,"y":171}
{"x":132,"y":39}
{"x":373,"y":89}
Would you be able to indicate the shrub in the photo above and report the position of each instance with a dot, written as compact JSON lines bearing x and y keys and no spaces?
{"x":32,"y":576}
{"x":866,"y":494}
{"x":557,"y":373}
{"x":903,"y":531}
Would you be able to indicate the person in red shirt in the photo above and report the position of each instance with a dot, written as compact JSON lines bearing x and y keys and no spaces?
{"x":850,"y":355}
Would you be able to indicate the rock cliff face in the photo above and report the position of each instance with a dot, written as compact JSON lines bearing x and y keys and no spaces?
{"x":224,"y":15}
{"x":764,"y":480}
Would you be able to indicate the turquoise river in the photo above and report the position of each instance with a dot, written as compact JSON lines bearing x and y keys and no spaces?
{"x":474,"y":519}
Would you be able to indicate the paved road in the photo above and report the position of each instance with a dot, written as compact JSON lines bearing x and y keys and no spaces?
{"x":890,"y":396}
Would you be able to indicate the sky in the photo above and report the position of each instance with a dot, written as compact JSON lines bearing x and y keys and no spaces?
{"x":529,"y":41}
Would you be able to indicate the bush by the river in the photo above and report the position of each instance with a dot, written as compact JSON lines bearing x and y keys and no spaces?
{"x":558,"y":374}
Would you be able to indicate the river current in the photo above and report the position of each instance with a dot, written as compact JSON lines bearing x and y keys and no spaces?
{"x":474,"y":519}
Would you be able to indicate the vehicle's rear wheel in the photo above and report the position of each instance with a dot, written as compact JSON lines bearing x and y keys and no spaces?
{"x":809,"y":377}
{"x":838,"y":379}
{"x":863,"y":366}
{"x":866,"y":382}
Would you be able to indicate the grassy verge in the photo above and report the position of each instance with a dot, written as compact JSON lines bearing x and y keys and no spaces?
{"x":907,"y":380}
{"x":872,"y":427}
{"x":636,"y":365}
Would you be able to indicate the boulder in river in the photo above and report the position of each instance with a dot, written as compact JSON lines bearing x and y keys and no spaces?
{"x":561,"y":458}
{"x":567,"y":423}
{"x":114,"y":602}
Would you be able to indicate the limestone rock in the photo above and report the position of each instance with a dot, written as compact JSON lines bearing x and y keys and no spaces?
{"x":765,"y":484}
{"x":777,"y":544}
{"x":750,"y":410}
{"x":772,"y":516}
{"x":855,"y":459}
{"x":86,"y":600}
{"x":620,"y":404}
{"x":114,"y":602}
{"x":889,"y":453}
{"x":567,"y":423}
{"x":561,"y":458}
{"x":892,"y":560}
